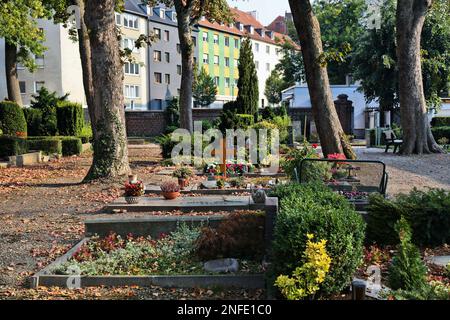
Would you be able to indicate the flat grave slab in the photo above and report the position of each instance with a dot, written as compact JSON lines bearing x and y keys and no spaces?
{"x":186,"y":204}
{"x":441,"y":261}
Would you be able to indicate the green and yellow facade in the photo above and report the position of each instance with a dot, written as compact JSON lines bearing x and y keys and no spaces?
{"x":218,"y":53}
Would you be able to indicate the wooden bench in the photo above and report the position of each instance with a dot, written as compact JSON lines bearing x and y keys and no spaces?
{"x":391,"y":140}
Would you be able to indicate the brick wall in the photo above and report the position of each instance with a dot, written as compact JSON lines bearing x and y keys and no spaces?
{"x":145,"y":123}
{"x":205,"y":114}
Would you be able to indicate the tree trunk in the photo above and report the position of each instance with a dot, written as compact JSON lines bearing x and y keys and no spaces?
{"x":12,"y":80}
{"x":187,"y":63}
{"x":106,"y":98}
{"x":85,"y":56}
{"x":417,"y":136}
{"x":332,"y":138}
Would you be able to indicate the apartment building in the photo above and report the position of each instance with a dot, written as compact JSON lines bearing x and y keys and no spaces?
{"x":58,"y":69}
{"x":218,"y":49}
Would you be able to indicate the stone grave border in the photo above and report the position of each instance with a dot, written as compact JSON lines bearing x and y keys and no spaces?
{"x":251,"y":281}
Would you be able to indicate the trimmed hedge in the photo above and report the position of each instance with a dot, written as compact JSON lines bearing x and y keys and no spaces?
{"x":315,"y":209}
{"x":441,"y":132}
{"x":70,"y":118}
{"x":71,"y":146}
{"x":426,"y":211}
{"x":12,"y":146}
{"x":12,"y":118}
{"x":440,"y":122}
{"x":48,"y":145}
{"x":34,"y":121}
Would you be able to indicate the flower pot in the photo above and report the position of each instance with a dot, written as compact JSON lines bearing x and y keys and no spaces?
{"x":171,"y":195}
{"x":132,"y":200}
{"x":183,"y":183}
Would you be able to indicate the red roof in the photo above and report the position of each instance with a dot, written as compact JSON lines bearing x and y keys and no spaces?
{"x":278,"y":25}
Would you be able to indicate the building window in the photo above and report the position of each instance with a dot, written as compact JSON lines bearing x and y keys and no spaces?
{"x":131,"y":91}
{"x":131,"y":68}
{"x":227,"y":62}
{"x":257,"y":47}
{"x":162,"y":13}
{"x":167,"y":78}
{"x":166,"y":35}
{"x":236,"y":63}
{"x":205,"y":36}
{"x":227,"y":41}
{"x":178,"y":48}
{"x":23,"y":87}
{"x":216,"y":39}
{"x":156,"y":55}
{"x":268,"y":49}
{"x":167,"y":57}
{"x":157,"y":104}
{"x":118,"y":19}
{"x":216,"y":60}
{"x":38,"y":85}
{"x":267,"y":66}
{"x":205,"y":58}
{"x":194,"y":41}
{"x":227,"y":82}
{"x":39,"y":61}
{"x":130,"y":21}
{"x":236,"y":82}
{"x":217,"y":81}
{"x":179,"y":69}
{"x":236,"y":43}
{"x":130,"y":45}
{"x":157,"y":33}
{"x":158,"y":77}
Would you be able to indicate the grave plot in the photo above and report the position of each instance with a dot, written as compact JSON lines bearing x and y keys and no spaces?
{"x":354,"y":179}
{"x":178,"y":252}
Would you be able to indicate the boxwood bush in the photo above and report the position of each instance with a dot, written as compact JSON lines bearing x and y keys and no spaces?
{"x":12,"y":146}
{"x":440,"y":122}
{"x":315,"y":209}
{"x":441,"y":132}
{"x":48,"y":145}
{"x":71,"y":146}
{"x":12,"y":119}
{"x":70,"y":118}
{"x":426,"y":211}
{"x":34,"y":121}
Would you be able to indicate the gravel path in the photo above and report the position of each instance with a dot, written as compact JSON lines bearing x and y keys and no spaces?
{"x":407,"y":172}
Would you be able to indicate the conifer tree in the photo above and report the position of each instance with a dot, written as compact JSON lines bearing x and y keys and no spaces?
{"x":248,"y":95}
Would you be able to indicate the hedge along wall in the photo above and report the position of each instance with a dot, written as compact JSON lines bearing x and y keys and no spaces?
{"x":441,"y":132}
{"x":12,"y":119}
{"x":12,"y":146}
{"x":70,"y":118}
{"x":440,"y":122}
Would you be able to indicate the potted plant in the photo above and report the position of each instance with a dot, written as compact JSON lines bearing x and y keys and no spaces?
{"x":183,"y":174}
{"x":133,"y":191}
{"x":170,"y":190}
{"x":220,"y":183}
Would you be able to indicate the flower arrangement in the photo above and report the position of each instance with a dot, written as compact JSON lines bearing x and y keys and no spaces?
{"x":235,"y":169}
{"x":213,"y":169}
{"x":306,"y":279}
{"x":170,"y":186}
{"x":134,"y":189}
{"x":183,"y":173}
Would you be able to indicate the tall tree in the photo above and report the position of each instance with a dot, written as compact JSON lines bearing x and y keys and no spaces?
{"x":329,"y":128}
{"x":341,"y":27}
{"x":291,"y":65}
{"x":248,"y":93}
{"x":205,"y":89}
{"x":23,"y":39}
{"x":417,"y":136}
{"x":189,"y":13}
{"x":107,"y":109}
{"x":274,"y":86}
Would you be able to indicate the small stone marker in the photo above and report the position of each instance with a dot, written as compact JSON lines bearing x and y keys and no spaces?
{"x":442,"y":261}
{"x":221,"y":265}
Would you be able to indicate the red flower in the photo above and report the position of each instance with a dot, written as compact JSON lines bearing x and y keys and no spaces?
{"x":315,"y":145}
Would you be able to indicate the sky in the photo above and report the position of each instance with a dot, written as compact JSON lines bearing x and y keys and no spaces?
{"x":267,"y":10}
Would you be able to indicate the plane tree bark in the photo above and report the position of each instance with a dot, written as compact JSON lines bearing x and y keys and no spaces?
{"x":417,"y":136}
{"x":331,"y":134}
{"x":12,"y":80}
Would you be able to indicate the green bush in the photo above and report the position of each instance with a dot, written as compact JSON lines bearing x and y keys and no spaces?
{"x":315,"y":209}
{"x":47,"y":102}
{"x":12,"y":119}
{"x":244,"y":121}
{"x":70,"y":118}
{"x":48,"y":145}
{"x":440,"y":122}
{"x":426,"y":211}
{"x":86,"y":133}
{"x":34,"y":121}
{"x":441,"y":132}
{"x":407,"y":270}
{"x":71,"y":146}
{"x":12,"y":146}
{"x":167,"y":145}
